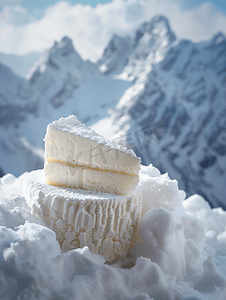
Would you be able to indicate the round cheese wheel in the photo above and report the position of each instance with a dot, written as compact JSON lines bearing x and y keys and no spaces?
{"x":106,"y":223}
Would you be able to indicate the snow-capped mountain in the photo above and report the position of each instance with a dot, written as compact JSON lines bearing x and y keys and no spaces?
{"x":17,"y":101}
{"x":116,"y":54}
{"x":174,"y":115}
{"x":172,"y":108}
{"x":60,"y":84}
{"x":69,"y":85}
{"x":128,"y":56}
{"x":59,"y":72}
{"x":17,"y":98}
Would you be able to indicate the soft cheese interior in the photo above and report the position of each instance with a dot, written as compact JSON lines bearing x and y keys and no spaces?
{"x":78,"y":157}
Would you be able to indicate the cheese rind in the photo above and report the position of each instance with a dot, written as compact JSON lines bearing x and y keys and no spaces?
{"x":72,"y":145}
{"x":106,"y":223}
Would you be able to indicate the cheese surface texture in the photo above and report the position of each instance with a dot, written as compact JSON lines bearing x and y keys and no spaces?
{"x":106,"y":223}
{"x":78,"y":157}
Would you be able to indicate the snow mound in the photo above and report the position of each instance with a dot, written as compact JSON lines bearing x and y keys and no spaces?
{"x":180,"y":253}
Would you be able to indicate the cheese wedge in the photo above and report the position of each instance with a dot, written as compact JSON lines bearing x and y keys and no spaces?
{"x":106,"y":223}
{"x":77,"y":157}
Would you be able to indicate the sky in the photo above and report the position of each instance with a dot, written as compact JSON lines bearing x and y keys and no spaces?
{"x":42,"y":4}
{"x":27,"y":26}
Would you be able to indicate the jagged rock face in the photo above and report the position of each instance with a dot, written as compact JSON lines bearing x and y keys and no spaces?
{"x":16,"y":98}
{"x":1,"y":172}
{"x":216,"y":50}
{"x":18,"y":101}
{"x":152,"y":36}
{"x":174,"y":116}
{"x":116,"y":54}
{"x":130,"y":54}
{"x":60,"y":72}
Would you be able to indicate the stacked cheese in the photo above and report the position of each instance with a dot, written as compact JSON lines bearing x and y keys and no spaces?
{"x":88,"y":192}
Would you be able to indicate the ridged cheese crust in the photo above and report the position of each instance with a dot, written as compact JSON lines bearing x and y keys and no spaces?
{"x":106,"y":223}
{"x":87,"y":160}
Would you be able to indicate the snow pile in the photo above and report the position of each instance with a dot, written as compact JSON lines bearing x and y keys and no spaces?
{"x":180,"y":254}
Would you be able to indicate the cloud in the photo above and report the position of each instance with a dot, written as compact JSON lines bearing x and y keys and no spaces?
{"x":91,"y":28}
{"x":4,"y":3}
{"x":14,"y":15}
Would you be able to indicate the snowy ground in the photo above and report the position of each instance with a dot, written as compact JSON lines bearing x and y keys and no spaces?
{"x":180,"y":254}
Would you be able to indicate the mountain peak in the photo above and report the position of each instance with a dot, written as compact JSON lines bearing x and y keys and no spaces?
{"x":150,"y":38}
{"x":157,"y":27}
{"x":60,"y":54}
{"x":217,"y":43}
{"x":64,"y":47}
{"x":116,"y":43}
{"x":218,"y":38}
{"x":115,"y":54}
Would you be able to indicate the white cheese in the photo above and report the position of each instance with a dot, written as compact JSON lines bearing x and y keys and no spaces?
{"x":78,"y":157}
{"x":106,"y":223}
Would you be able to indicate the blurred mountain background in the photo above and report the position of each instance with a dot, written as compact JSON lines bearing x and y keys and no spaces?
{"x":162,"y":96}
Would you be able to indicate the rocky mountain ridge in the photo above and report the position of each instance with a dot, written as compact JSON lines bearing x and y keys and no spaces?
{"x":174,"y":115}
{"x":166,"y":99}
{"x":129,"y":55}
